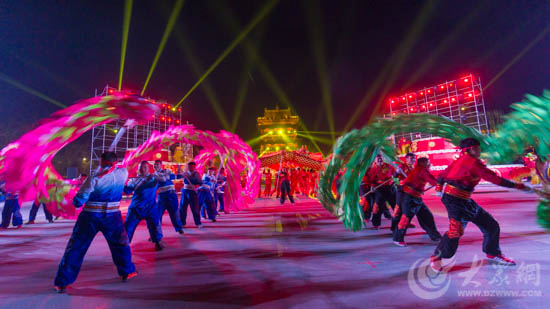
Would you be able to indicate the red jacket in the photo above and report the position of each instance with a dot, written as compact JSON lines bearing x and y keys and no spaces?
{"x":366,"y":178}
{"x":416,"y":180}
{"x":466,"y":172}
{"x":406,"y":169}
{"x":380,"y":174}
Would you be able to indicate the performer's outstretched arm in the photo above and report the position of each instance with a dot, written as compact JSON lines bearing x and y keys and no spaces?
{"x":485,"y":173}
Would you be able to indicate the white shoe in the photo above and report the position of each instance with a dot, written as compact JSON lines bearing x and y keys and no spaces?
{"x":435,"y":264}
{"x":400,"y":243}
{"x":501,"y":259}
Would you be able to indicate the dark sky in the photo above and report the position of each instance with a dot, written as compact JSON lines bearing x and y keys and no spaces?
{"x":66,"y":49}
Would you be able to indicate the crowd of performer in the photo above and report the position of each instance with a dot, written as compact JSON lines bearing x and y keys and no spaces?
{"x":455,"y":184}
{"x":154,"y":193}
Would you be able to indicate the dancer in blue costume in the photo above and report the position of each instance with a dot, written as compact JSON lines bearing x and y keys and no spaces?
{"x":100,"y":194}
{"x":167,"y":197}
{"x":144,"y":204}
{"x":206,"y":191}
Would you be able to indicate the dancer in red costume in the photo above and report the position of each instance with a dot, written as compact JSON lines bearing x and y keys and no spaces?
{"x":460,"y":180}
{"x":403,"y":170}
{"x":381,"y":176}
{"x":267,"y":183}
{"x":412,"y":204}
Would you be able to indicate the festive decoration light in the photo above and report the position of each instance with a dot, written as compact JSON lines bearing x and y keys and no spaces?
{"x":26,"y":163}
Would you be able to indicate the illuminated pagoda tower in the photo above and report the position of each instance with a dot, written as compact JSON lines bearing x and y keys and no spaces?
{"x":277,"y":129}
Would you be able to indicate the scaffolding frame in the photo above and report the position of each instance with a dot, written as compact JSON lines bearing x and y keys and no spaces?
{"x":104,"y":135}
{"x":460,"y":100}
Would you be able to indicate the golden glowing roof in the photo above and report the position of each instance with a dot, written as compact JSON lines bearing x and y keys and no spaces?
{"x":278,"y":116}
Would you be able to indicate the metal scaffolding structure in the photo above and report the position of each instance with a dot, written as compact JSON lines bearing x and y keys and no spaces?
{"x":460,"y":100}
{"x":103,"y":136}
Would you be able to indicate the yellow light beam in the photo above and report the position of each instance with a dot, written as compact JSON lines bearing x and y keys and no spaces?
{"x":125,"y":31}
{"x":501,"y":44}
{"x":29,"y":90}
{"x":255,"y":140}
{"x":263,"y":12}
{"x":251,"y":51}
{"x":58,"y":79}
{"x":321,"y":132}
{"x":518,"y":56}
{"x":314,"y":25}
{"x":241,"y":95}
{"x":446,"y":43}
{"x":185,"y":44}
{"x":395,"y":62}
{"x":321,"y":140}
{"x":171,"y":22}
{"x":246,"y":75}
{"x":414,"y":33}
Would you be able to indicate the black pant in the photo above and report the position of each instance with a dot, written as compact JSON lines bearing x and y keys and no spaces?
{"x":384,"y":195}
{"x":34,"y":211}
{"x":285,"y":190}
{"x":399,"y":211}
{"x":190,"y":198}
{"x":411,"y":206}
{"x":461,"y":212}
{"x":369,"y":202}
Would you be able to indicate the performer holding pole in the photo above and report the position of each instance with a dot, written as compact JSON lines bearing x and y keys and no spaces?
{"x":367,"y":195}
{"x":412,"y":204}
{"x":167,"y":197}
{"x":402,"y":171}
{"x":100,"y":194}
{"x":205,"y":194}
{"x":189,"y":197}
{"x":220,"y":190}
{"x":285,"y":188}
{"x":460,"y":180}
{"x":381,"y":176}
{"x":144,"y":204}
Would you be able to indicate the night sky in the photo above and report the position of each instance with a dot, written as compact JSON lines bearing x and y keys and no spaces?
{"x":66,"y":49}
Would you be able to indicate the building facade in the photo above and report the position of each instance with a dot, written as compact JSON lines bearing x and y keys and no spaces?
{"x":278,"y":130}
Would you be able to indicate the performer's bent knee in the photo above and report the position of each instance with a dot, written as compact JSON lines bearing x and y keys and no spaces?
{"x":455,"y":229}
{"x":403,"y":223}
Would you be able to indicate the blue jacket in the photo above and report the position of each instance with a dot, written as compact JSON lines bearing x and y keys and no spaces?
{"x":194,"y":177}
{"x":145,"y":191}
{"x":107,"y":188}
